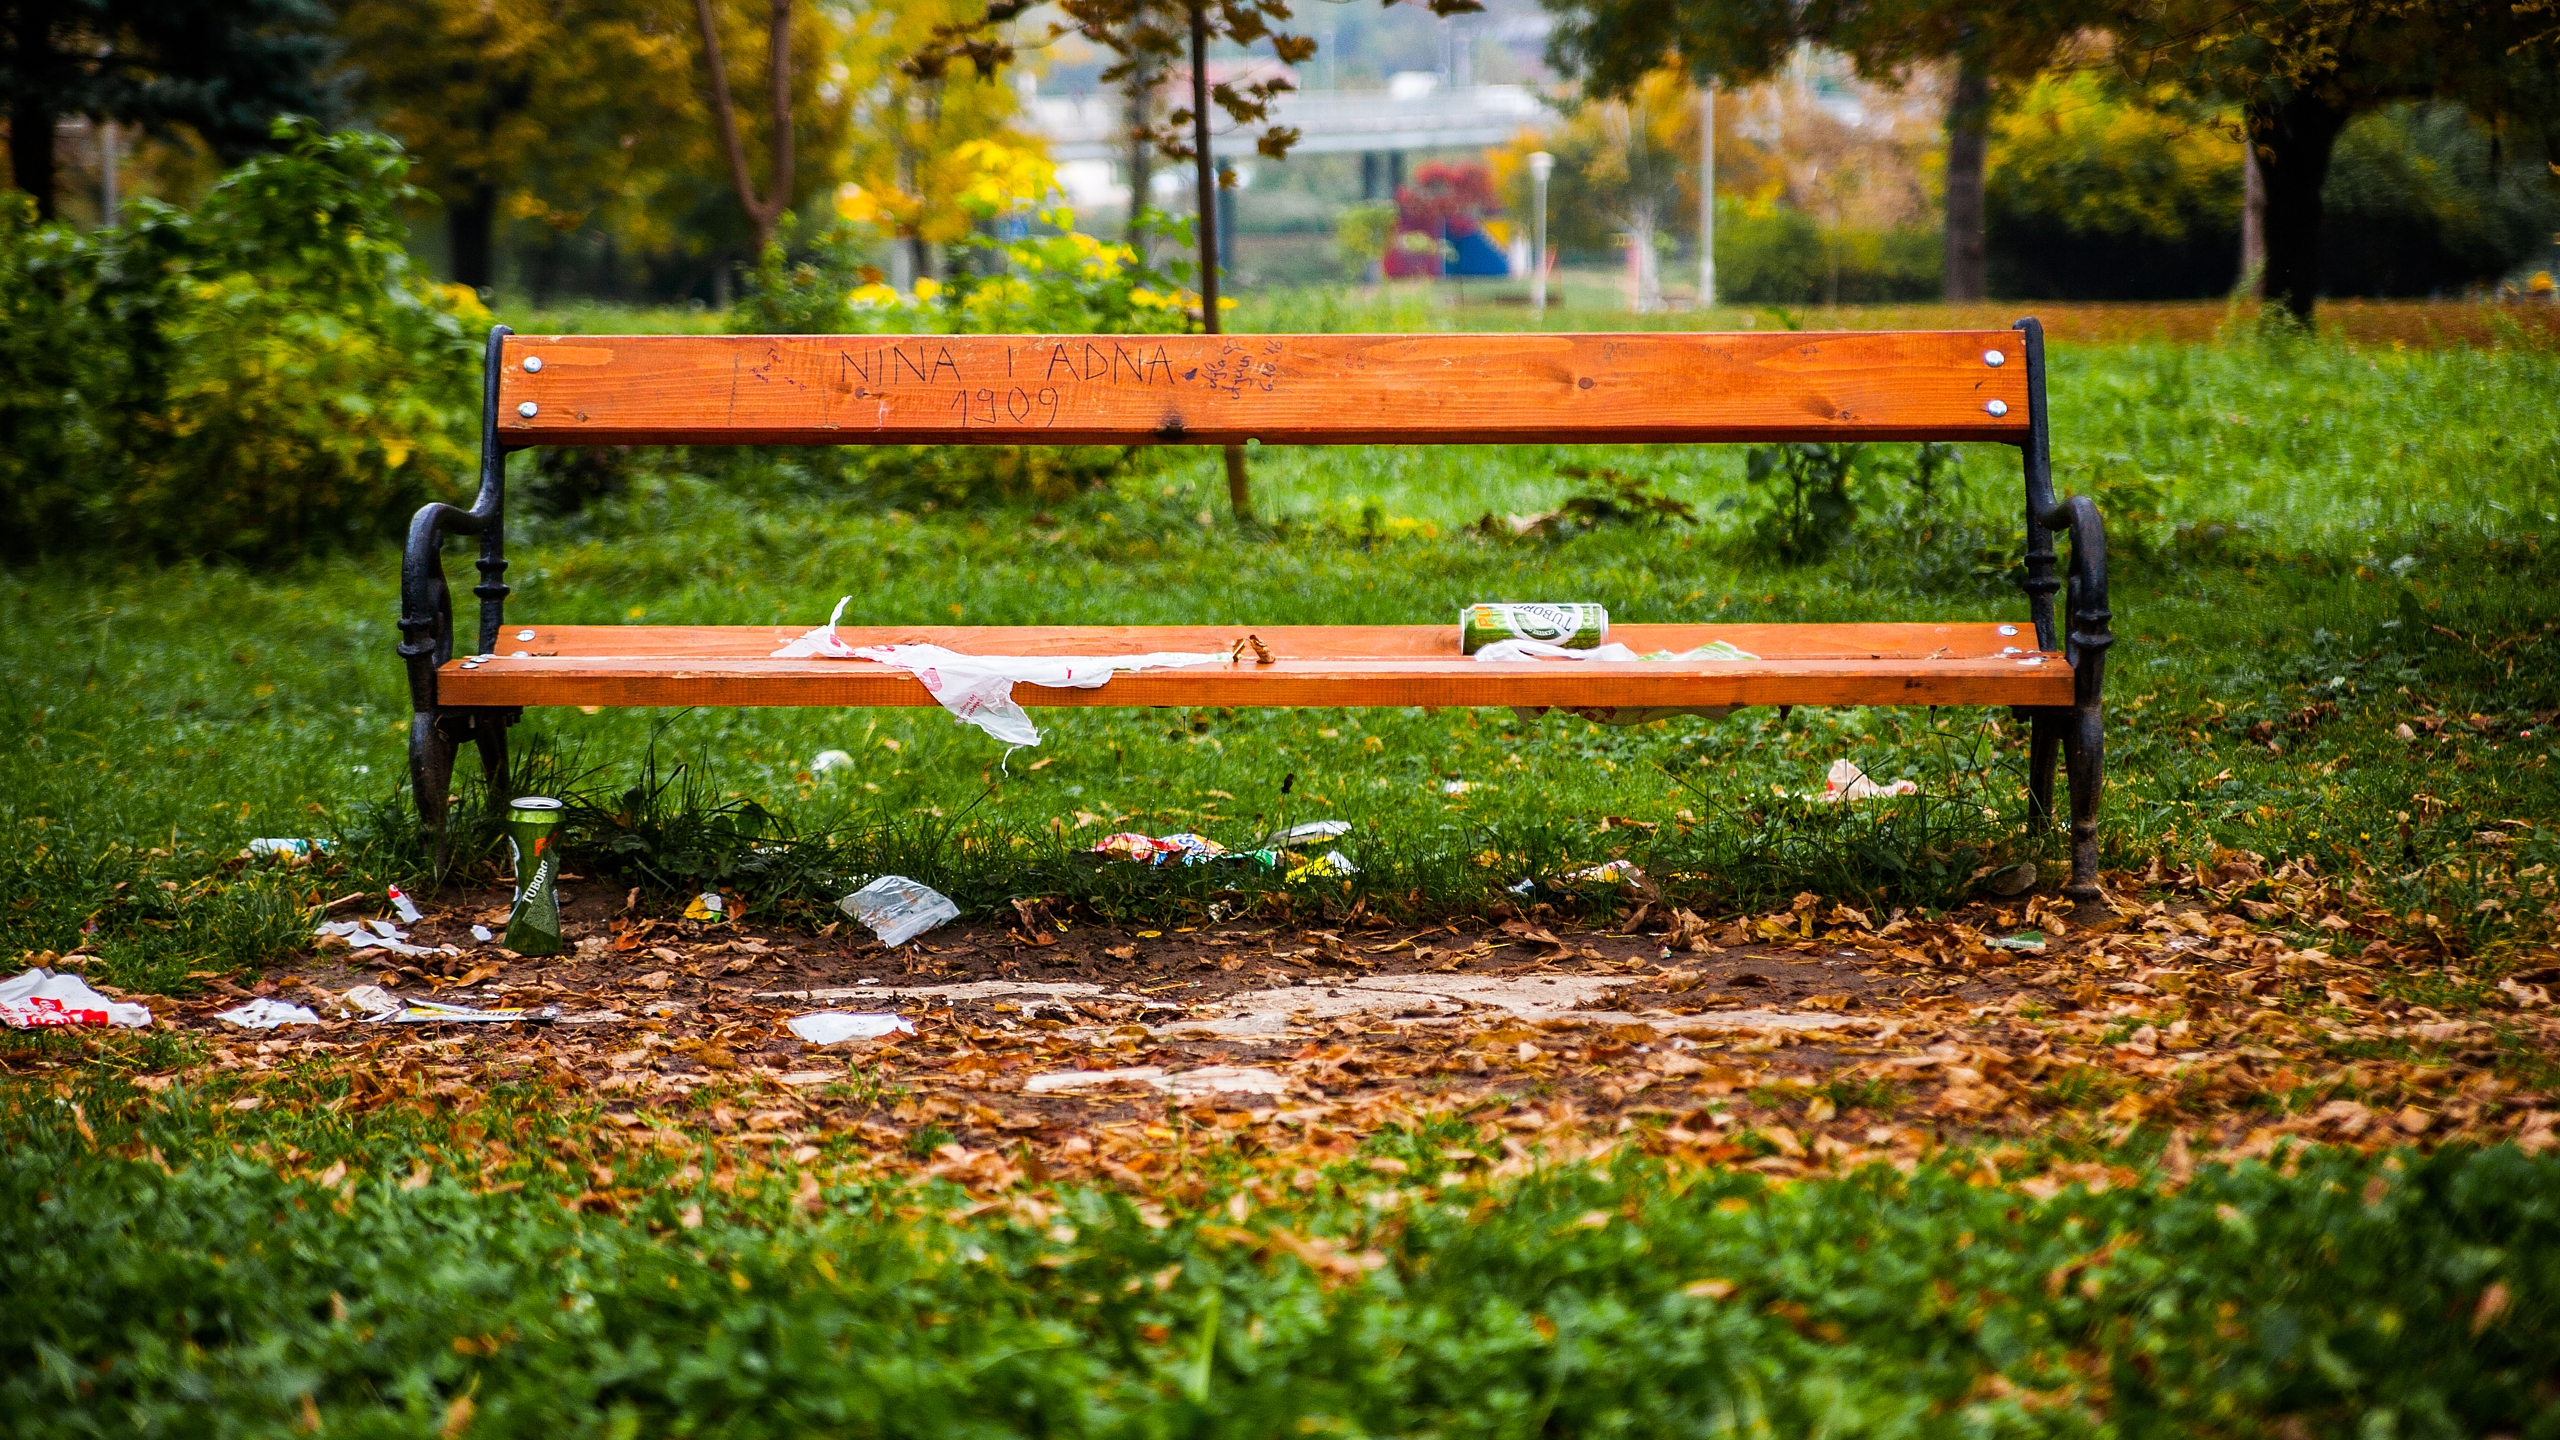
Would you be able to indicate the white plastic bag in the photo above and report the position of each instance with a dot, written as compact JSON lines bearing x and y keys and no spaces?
{"x":264,"y":1014}
{"x":42,"y":999}
{"x":1848,"y":782}
{"x":830,"y":1027}
{"x":978,"y":689}
{"x":899,"y":909}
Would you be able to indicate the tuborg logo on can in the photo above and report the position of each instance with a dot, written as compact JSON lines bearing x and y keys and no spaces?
{"x":533,"y":829}
{"x":1577,"y":626}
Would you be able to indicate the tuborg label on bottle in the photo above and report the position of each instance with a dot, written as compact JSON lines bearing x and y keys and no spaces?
{"x":1577,"y":626}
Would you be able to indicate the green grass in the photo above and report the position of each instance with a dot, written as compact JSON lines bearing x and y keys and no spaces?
{"x":2294,"y":525}
{"x":177,"y":1266}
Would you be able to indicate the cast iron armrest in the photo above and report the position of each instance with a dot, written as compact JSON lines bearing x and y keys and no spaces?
{"x":2084,"y":593}
{"x":426,"y":601}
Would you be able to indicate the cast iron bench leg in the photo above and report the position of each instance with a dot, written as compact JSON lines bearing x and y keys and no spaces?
{"x":2044,"y":738}
{"x":2079,"y":730}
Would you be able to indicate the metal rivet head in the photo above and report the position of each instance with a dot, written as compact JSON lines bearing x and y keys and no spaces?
{"x":1992,"y":358}
{"x":528,"y":409}
{"x":1997,"y":408}
{"x":533,"y":363}
{"x":527,"y":634}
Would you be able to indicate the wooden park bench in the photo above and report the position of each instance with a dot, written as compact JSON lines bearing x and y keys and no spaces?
{"x":1278,"y":389}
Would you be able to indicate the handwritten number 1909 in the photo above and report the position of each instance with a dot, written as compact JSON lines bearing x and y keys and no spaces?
{"x":1018,"y":406}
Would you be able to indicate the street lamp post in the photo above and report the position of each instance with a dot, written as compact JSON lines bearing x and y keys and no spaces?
{"x":1707,"y":200}
{"x":1541,"y":165}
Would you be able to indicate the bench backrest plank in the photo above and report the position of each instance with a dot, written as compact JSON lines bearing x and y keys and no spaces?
{"x":1279,"y":389}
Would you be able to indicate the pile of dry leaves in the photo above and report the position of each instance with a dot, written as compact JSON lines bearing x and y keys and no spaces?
{"x":1816,"y":1037}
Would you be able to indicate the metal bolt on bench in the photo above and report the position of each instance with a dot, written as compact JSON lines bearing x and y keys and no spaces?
{"x":572,"y":390}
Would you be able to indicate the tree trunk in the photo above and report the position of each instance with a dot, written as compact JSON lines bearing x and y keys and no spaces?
{"x":762,"y":212}
{"x":2253,"y":221}
{"x":31,"y":163}
{"x":1239,"y":488}
{"x":1142,"y":141}
{"x":1968,"y":120}
{"x":471,"y":232}
{"x":2294,"y":139}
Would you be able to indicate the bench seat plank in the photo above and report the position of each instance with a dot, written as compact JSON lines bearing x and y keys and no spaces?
{"x":1884,"y":664}
{"x":1279,"y":389}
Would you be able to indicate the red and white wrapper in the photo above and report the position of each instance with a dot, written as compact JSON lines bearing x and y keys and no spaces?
{"x":40,"y":1000}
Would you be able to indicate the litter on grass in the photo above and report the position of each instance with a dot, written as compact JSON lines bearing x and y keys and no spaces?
{"x":899,"y":909}
{"x":43,"y":999}
{"x":1847,"y":782}
{"x":431,"y":1012}
{"x":978,"y":689}
{"x":377,"y":935}
{"x":263,"y":1014}
{"x":1182,"y":846}
{"x":2029,"y":941}
{"x":291,"y":849}
{"x":483,"y":934}
{"x":1331,"y":865}
{"x":406,"y":907}
{"x":707,"y":906}
{"x":365,"y":1000}
{"x":1311,"y":830}
{"x":1611,"y":873}
{"x":834,"y":1027}
{"x":827,"y":760}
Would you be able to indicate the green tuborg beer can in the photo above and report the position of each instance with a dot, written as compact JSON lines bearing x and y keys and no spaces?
{"x":1578,"y":626}
{"x":533,"y":828}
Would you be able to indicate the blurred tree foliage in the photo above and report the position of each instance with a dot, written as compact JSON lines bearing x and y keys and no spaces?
{"x":2423,"y":199}
{"x":2102,"y":193}
{"x":263,"y":376}
{"x":2303,"y":70}
{"x":220,"y":69}
{"x":909,"y":169}
{"x":1615,"y":159}
{"x":1990,"y":48}
{"x":585,"y":121}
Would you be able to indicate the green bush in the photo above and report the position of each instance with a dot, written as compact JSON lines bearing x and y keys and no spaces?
{"x":2094,"y":196}
{"x":1778,"y":256}
{"x":1361,"y":238}
{"x":263,"y":376}
{"x":2418,"y":201}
